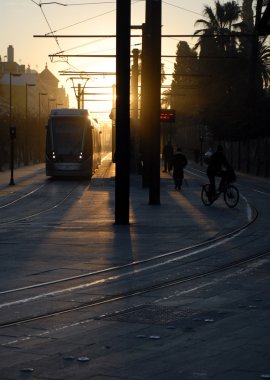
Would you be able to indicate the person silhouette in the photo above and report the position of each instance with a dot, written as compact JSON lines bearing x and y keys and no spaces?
{"x":179,"y":162}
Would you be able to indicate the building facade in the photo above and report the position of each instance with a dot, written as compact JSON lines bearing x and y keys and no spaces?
{"x":26,"y":98}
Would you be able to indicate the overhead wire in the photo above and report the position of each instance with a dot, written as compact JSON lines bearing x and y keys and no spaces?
{"x":71,"y":25}
{"x":75,"y":4}
{"x":183,"y":9}
{"x":84,"y":3}
{"x":56,"y":40}
{"x":90,"y":18}
{"x":52,"y":32}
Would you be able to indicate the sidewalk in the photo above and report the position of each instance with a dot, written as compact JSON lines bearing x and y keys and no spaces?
{"x":20,"y":174}
{"x":177,"y":210}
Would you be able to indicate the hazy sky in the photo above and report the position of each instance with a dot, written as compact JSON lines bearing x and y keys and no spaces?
{"x":21,"y":19}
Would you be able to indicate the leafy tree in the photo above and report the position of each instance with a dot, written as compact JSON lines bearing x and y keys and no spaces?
{"x":184,"y":94}
{"x":233,"y":88}
{"x":213,"y":80}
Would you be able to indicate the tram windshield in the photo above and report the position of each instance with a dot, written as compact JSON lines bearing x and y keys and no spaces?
{"x":68,"y":135}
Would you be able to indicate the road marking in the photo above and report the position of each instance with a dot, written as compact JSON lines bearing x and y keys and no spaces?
{"x":261,"y":192}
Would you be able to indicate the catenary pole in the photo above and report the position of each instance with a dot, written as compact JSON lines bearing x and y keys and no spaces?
{"x":153,"y":19}
{"x":122,"y":157}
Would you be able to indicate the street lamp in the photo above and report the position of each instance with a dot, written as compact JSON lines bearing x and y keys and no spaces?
{"x":201,"y":150}
{"x":12,"y":130}
{"x":10,"y":94}
{"x":26,"y":98}
{"x":26,"y":122}
{"x":39,"y":121}
{"x":39,"y":101}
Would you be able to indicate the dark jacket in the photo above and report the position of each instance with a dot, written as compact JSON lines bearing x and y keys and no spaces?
{"x":179,"y":162}
{"x":216,"y":163}
{"x":167,"y":152}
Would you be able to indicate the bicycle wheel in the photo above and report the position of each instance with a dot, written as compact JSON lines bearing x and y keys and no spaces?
{"x":231,"y":196}
{"x":205,"y":195}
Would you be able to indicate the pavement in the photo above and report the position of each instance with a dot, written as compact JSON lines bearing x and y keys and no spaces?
{"x":199,"y":348}
{"x":179,"y":221}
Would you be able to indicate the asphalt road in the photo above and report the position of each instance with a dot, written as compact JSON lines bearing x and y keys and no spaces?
{"x":180,"y":293}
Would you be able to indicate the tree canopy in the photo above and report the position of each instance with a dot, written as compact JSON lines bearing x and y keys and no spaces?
{"x":222,"y":80}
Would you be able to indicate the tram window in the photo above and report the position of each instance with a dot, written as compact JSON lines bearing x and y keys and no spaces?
{"x":68,"y":135}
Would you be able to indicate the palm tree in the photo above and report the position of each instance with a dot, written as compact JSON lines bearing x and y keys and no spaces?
{"x":263,"y":61}
{"x":220,"y":23}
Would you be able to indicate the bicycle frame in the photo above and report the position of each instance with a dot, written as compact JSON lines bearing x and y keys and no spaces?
{"x":231,"y":195}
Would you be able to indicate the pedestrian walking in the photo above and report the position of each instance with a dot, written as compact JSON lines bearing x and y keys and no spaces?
{"x":167,"y":156}
{"x":179,"y":162}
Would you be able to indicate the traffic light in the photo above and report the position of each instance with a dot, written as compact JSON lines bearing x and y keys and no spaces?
{"x":167,"y":116}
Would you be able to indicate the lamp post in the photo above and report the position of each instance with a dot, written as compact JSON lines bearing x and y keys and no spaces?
{"x":12,"y":135}
{"x":39,"y":122}
{"x":12,"y":130}
{"x":26,"y":122}
{"x":39,"y":103}
{"x":201,"y":149}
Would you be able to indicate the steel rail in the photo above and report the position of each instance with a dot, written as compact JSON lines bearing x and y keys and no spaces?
{"x":139,"y":291}
{"x":166,"y":255}
{"x":57,"y":204}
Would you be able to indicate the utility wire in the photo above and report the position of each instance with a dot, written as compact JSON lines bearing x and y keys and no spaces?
{"x":52,"y":33}
{"x":56,"y":40}
{"x":88,"y":19}
{"x":73,"y":4}
{"x":183,"y":9}
{"x":81,"y":22}
{"x":86,"y":3}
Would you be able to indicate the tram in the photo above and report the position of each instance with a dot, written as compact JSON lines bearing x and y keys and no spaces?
{"x":73,"y":143}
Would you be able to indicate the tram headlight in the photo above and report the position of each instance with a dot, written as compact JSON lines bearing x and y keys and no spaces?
{"x":80,"y":156}
{"x":53,"y":155}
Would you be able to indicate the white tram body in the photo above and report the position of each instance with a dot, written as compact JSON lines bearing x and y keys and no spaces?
{"x":73,"y":143}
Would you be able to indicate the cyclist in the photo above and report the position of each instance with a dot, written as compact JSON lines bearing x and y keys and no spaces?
{"x":219,"y":167}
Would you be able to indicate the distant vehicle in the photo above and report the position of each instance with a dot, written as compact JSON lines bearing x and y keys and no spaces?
{"x":73,"y":143}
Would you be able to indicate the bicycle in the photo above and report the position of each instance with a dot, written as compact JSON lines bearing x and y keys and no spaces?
{"x":230,"y":195}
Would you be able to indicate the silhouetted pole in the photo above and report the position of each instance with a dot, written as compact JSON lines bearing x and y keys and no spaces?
{"x":253,"y":80}
{"x":123,"y":11}
{"x":12,"y":133}
{"x":113,"y":119}
{"x":26,"y":140}
{"x":153,"y":32}
{"x":253,"y":89}
{"x":134,"y":133}
{"x":145,"y":103}
{"x":79,"y":96}
{"x":134,"y":84}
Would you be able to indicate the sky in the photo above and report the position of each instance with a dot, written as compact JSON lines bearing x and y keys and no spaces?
{"x":20,"y":20}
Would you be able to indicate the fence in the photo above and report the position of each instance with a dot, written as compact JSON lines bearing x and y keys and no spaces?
{"x":250,"y":156}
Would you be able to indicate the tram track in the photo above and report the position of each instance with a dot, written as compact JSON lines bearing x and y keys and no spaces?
{"x":69,"y":285}
{"x":193,"y":277}
{"x":119,"y":273}
{"x":33,"y":192}
{"x":204,"y":244}
{"x":9,"y":203}
{"x":139,"y":291}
